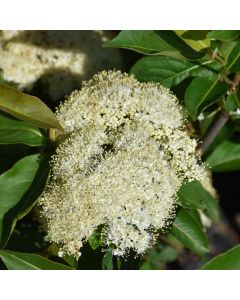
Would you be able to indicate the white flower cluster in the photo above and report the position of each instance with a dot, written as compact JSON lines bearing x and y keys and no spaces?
{"x":123,"y":158}
{"x":59,"y":59}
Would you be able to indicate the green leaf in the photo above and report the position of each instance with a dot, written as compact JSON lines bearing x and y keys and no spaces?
{"x":201,"y":93}
{"x":231,"y":104}
{"x":25,"y":261}
{"x":107,"y":261}
{"x":233,"y":61}
{"x":192,"y":195}
{"x":226,"y":157}
{"x":146,"y":265}
{"x":170,"y":71}
{"x":27,"y":108}
{"x":188,"y":231}
{"x":95,"y":240}
{"x":224,"y":48}
{"x":167,"y":254}
{"x":15,"y":132}
{"x":223,"y":35}
{"x":19,"y":188}
{"x":161,"y":42}
{"x":196,"y":39}
{"x":229,"y":260}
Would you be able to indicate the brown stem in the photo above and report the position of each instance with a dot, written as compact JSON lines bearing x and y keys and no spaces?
{"x":214,"y":130}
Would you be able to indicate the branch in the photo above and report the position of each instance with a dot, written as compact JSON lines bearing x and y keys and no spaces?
{"x":214,"y":130}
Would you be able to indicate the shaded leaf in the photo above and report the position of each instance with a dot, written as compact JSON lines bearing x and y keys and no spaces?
{"x":223,"y":35}
{"x":224,"y":48}
{"x":27,"y":108}
{"x":146,"y":265}
{"x":167,"y":254}
{"x":107,"y":261}
{"x":201,"y":93}
{"x":229,"y":260}
{"x":231,"y":104}
{"x":233,"y":61}
{"x":188,"y":231}
{"x":153,"y":42}
{"x":225,"y":133}
{"x":226,"y":157}
{"x":192,"y":195}
{"x":19,"y":188}
{"x":26,"y":261}
{"x":15,"y":132}
{"x":196,"y":39}
{"x":170,"y":71}
{"x":95,"y":240}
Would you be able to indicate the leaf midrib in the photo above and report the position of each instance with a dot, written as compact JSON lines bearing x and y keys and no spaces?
{"x":205,"y":96}
{"x":188,"y":70}
{"x":236,"y":58}
{"x":226,"y":161}
{"x":21,"y":260}
{"x":179,"y":228}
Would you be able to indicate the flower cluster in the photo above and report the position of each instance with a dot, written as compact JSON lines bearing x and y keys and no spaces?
{"x":58,"y":60}
{"x":123,"y":157}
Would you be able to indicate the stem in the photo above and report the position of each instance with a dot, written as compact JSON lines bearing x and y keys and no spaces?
{"x":214,"y":130}
{"x":235,"y":83}
{"x":52,"y":134}
{"x":226,"y":79}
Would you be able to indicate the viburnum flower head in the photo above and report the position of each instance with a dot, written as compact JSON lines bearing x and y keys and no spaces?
{"x":122,"y":159}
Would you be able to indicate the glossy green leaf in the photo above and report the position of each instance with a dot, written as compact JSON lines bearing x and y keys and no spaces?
{"x":201,"y":93}
{"x":161,"y":42}
{"x":229,"y":260}
{"x":170,"y":71}
{"x":226,"y":157}
{"x":233,"y":61}
{"x":188,"y":231}
{"x":196,"y":39}
{"x":223,"y":35}
{"x":192,"y":195}
{"x":25,"y":261}
{"x":19,"y":188}
{"x":107,"y":261}
{"x":27,"y":108}
{"x":15,"y":132}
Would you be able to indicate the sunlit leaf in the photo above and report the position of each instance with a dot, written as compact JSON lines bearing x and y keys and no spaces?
{"x":160,"y":42}
{"x":196,"y":39}
{"x":27,"y":108}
